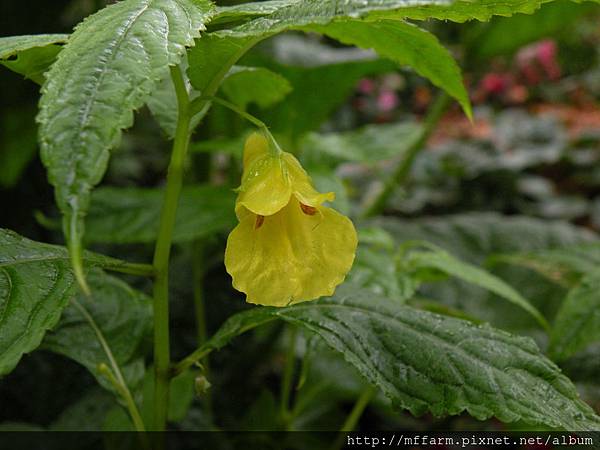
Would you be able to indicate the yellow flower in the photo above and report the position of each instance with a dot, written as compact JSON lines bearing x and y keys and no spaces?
{"x":288,"y":247}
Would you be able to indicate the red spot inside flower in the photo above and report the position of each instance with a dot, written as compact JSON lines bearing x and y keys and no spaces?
{"x":259,"y":221}
{"x":308,"y":210}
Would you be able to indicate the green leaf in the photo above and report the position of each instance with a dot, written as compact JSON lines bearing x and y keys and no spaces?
{"x":131,"y":215}
{"x":399,"y":41}
{"x":31,"y":55}
{"x":245,"y":85}
{"x":212,"y":58}
{"x":368,"y":144}
{"x":425,"y":362}
{"x":18,"y":145}
{"x":317,"y":92}
{"x":36,"y":284}
{"x":163,"y":102}
{"x":87,"y":413}
{"x":577,"y":323}
{"x":564,"y":265}
{"x":181,"y":396}
{"x":109,"y":67}
{"x":249,"y":10}
{"x":505,"y":35}
{"x":450,"y":265}
{"x":375,"y":266}
{"x":122,"y":315}
{"x":473,"y":238}
{"x":405,"y":44}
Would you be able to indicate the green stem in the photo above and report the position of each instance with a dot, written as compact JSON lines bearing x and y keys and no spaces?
{"x":288,"y":375}
{"x":162,"y":252}
{"x":199,"y":104}
{"x":354,"y":416}
{"x":400,"y":175}
{"x":114,"y":375}
{"x":199,"y":269}
{"x":207,"y":348}
{"x":359,"y":408}
{"x":144,"y":270}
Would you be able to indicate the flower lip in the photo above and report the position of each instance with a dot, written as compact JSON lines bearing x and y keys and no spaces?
{"x":293,"y":257}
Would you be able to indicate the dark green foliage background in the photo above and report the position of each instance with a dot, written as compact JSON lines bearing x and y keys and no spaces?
{"x":490,"y":250}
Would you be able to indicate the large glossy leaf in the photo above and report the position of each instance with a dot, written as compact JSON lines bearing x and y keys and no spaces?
{"x":131,"y":215}
{"x":577,"y":323}
{"x":249,"y":10}
{"x":110,"y":65}
{"x":31,"y":55}
{"x":426,"y":362}
{"x":115,"y":314}
{"x":36,"y":284}
{"x":284,"y":12}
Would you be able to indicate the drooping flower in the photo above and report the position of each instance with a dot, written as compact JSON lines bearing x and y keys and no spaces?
{"x":288,"y":247}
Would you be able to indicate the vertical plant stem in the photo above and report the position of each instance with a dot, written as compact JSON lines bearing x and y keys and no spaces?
{"x":354,"y":416}
{"x":400,"y":175}
{"x":288,"y":375}
{"x":199,"y":269}
{"x":162,"y":252}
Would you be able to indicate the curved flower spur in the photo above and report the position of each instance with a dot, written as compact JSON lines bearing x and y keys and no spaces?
{"x":288,"y":247}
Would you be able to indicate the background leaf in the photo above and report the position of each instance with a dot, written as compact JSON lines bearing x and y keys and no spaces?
{"x":36,"y":284}
{"x":18,"y":145}
{"x":405,"y":44}
{"x":446,"y":263}
{"x":317,"y":92}
{"x":473,"y":238}
{"x":131,"y":215}
{"x":245,"y":85}
{"x":109,"y":67}
{"x":577,"y":322}
{"x":368,"y":144}
{"x":31,"y":55}
{"x":123,"y":315}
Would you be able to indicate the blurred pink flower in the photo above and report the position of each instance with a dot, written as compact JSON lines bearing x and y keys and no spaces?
{"x":387,"y":101}
{"x":366,"y":86}
{"x":495,"y":83}
{"x":547,"y":56}
{"x":539,"y":60}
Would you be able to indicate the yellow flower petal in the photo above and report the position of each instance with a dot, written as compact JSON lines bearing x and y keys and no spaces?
{"x":301,"y":183}
{"x":265,"y":186}
{"x":256,"y":145}
{"x":295,"y":255}
{"x":271,"y":177}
